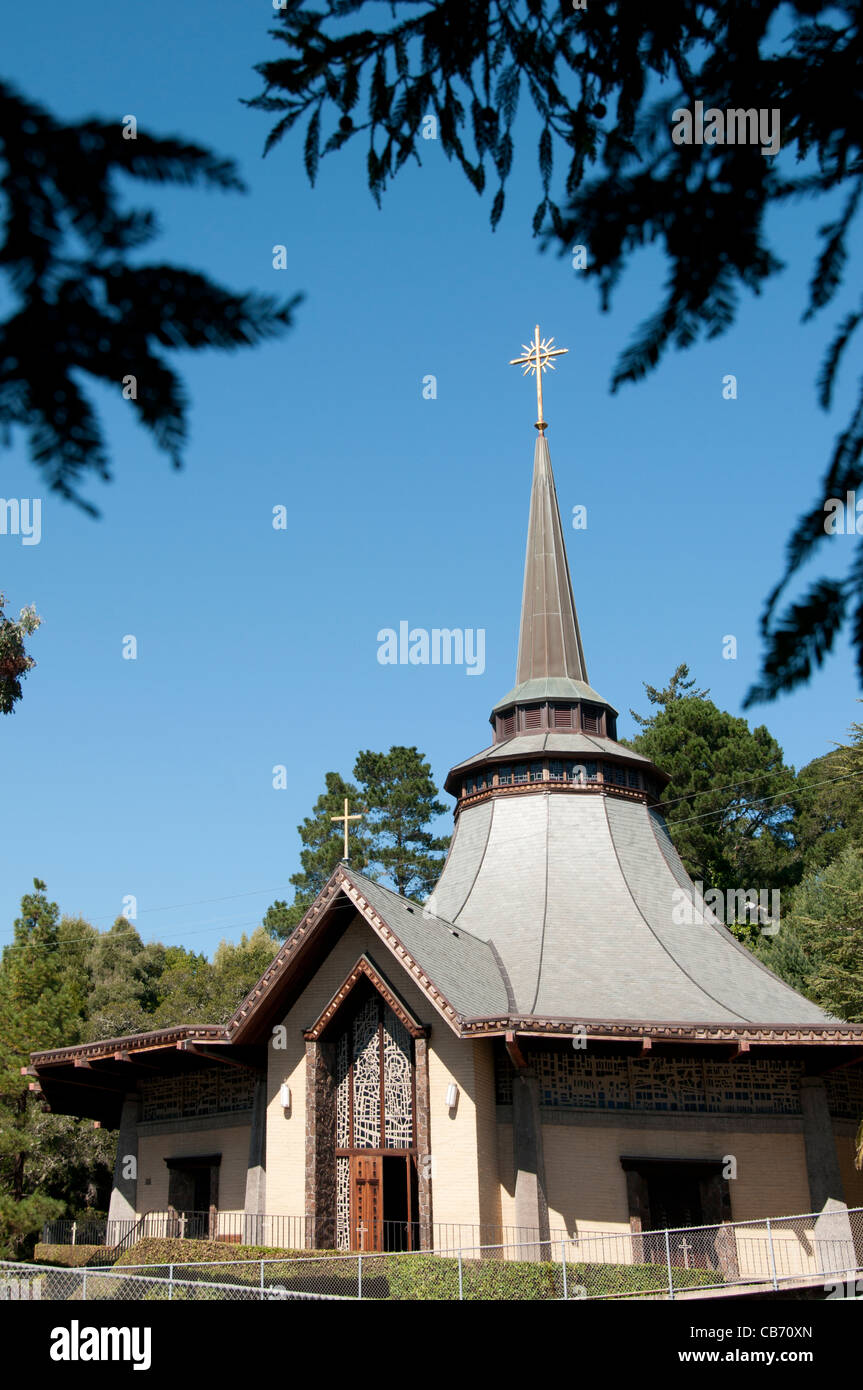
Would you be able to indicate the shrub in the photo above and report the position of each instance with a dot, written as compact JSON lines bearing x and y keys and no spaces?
{"x":73,"y":1256}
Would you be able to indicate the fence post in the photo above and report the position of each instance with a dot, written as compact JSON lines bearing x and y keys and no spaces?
{"x":74,"y":1232}
{"x":668,"y":1258}
{"x":460,"y":1278}
{"x":170,"y":1281}
{"x":772,"y":1254}
{"x":84,"y":1288}
{"x":563,"y":1263}
{"x":262,"y":1281}
{"x":359,"y":1274}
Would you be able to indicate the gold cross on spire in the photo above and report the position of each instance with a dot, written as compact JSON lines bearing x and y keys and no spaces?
{"x":537,"y":359}
{"x":346,"y":818}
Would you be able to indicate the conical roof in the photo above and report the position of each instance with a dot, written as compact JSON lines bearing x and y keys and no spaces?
{"x":578,"y":888}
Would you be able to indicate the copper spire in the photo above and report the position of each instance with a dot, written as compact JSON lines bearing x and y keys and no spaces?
{"x":549,"y":642}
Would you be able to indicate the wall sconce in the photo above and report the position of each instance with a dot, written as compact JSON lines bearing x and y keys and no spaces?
{"x":285,"y":1096}
{"x":451,"y":1096}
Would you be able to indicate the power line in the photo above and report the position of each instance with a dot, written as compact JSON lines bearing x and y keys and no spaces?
{"x":92,"y":941}
{"x":687,"y":820}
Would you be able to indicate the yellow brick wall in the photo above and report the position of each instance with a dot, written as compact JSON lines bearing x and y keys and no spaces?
{"x":454,"y":1137}
{"x":487,"y":1151}
{"x":506,"y":1175}
{"x":232,"y":1144}
{"x":587,"y":1185}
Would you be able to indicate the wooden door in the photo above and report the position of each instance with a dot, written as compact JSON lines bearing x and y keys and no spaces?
{"x":367,"y":1202}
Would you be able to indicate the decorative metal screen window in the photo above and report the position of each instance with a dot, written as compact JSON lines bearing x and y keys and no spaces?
{"x":374,"y":1074}
{"x":845,"y":1093}
{"x":367,"y":1078}
{"x":343,"y":1202}
{"x":574,"y":1080}
{"x":215,"y":1091}
{"x":374,"y":1083}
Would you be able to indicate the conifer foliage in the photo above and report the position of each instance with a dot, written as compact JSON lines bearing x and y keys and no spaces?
{"x":604,"y":81}
{"x":83,"y":303}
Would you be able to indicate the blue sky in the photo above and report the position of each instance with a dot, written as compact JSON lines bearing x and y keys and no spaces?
{"x":258,"y":647}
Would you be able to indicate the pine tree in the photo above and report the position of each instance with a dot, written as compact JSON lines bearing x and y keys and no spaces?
{"x":730,"y":803}
{"x":678,"y":688}
{"x":323,"y":841}
{"x":396,"y":796}
{"x":827,"y":916}
{"x":41,"y":1006}
{"x":401,"y":798}
{"x":606,"y":85}
{"x":830,"y":802}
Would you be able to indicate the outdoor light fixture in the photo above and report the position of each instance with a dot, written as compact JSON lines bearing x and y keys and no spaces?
{"x":285,"y":1096}
{"x":451,"y":1095}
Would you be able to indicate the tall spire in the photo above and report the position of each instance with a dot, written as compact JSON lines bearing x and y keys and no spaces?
{"x":549,"y":642}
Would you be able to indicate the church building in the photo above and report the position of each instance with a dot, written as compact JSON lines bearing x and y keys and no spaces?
{"x":547,"y":1045}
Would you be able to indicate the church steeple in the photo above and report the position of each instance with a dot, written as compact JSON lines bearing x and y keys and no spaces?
{"x":551,"y":664}
{"x":549,"y":642}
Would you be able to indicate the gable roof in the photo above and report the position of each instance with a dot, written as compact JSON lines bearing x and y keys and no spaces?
{"x":457,"y":971}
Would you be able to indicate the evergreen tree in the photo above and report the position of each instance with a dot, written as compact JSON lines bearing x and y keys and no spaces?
{"x":822,"y":935}
{"x":41,"y":1007}
{"x":237,"y":967}
{"x":186,"y":990}
{"x":730,"y":802}
{"x":396,"y":796}
{"x":678,"y":688}
{"x":788,"y":954}
{"x":323,"y":841}
{"x":124,"y":981}
{"x":402,"y":799}
{"x":80,"y":297}
{"x":607,"y":83}
{"x":830,"y":803}
{"x":279,"y":920}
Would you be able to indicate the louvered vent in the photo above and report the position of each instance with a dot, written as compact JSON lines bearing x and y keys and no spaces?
{"x":591,"y":720}
{"x":533,"y":717}
{"x":562,"y":717}
{"x":507,"y":724}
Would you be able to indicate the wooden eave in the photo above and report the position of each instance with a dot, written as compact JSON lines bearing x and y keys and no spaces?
{"x":131,"y":1046}
{"x":92,"y":1079}
{"x":365,"y":969}
{"x":309,"y":943}
{"x":841,"y":1044}
{"x":612,"y":1030}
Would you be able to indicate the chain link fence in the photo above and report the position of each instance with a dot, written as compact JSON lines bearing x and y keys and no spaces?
{"x":684,"y":1263}
{"x":48,"y":1283}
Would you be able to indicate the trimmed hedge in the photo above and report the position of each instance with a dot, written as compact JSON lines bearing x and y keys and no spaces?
{"x":151,"y":1250}
{"x":414,"y":1276}
{"x":73,"y":1256}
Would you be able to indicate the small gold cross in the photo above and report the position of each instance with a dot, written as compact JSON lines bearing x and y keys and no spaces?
{"x":537,"y":359}
{"x":346,"y":818}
